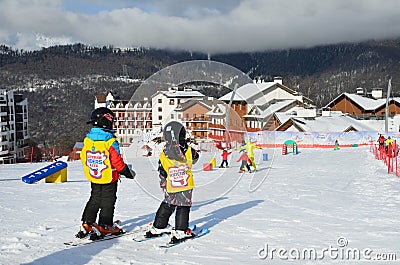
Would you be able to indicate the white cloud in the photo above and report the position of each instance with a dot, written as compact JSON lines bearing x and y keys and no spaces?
{"x":208,"y":26}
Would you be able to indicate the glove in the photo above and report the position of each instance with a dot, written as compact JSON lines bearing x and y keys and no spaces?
{"x":128,"y":173}
{"x":132,"y":174}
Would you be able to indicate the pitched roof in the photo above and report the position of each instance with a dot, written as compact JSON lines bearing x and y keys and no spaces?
{"x":365,"y":103}
{"x":247,"y":91}
{"x":180,"y":94}
{"x":334,"y":123}
{"x":189,"y":103}
{"x":271,"y":109}
{"x":250,"y":90}
{"x":282,"y":117}
{"x":217,"y":110}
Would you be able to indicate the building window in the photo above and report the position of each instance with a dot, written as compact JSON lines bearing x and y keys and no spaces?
{"x":171,"y":101}
{"x":179,"y":116}
{"x":160,"y":100}
{"x":172,"y":116}
{"x":159,"y":109}
{"x":160,"y":118}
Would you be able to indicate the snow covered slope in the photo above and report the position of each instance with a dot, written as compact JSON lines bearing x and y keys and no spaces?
{"x":315,"y":200}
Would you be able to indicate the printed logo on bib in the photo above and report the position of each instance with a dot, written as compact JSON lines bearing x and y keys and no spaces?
{"x":95,"y":162}
{"x":178,"y":176}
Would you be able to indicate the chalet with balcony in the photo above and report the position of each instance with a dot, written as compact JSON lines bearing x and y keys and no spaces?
{"x":255,"y":104}
{"x":222,"y":118}
{"x":193,"y":115}
{"x":362,"y":106}
{"x":132,"y":118}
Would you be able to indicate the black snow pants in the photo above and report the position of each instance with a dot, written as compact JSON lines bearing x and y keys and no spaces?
{"x":245,"y":165}
{"x":165,"y":211}
{"x":102,"y":197}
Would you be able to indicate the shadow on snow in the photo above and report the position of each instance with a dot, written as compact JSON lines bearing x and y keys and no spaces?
{"x":83,"y":254}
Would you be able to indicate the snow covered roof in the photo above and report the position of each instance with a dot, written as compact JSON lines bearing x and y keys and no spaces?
{"x":189,"y":103}
{"x":283,"y":116}
{"x":271,"y":109}
{"x":365,"y":103}
{"x":180,"y":94}
{"x":217,"y":110}
{"x":334,"y":123}
{"x":247,"y":91}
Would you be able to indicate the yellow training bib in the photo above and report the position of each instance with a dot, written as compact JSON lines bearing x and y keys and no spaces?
{"x":95,"y":158}
{"x":179,"y":174}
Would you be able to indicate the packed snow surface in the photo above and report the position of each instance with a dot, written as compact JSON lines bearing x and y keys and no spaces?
{"x":319,"y":200}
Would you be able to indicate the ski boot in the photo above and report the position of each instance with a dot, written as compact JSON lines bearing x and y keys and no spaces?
{"x":180,"y":235}
{"x":152,"y":231}
{"x":99,"y":231}
{"x":84,"y":231}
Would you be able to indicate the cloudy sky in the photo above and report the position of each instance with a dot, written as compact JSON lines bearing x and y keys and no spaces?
{"x":211,"y":26}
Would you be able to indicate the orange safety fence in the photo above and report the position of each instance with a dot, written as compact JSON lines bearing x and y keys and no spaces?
{"x":388,"y":155}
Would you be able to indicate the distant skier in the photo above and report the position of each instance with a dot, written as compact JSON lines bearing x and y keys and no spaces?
{"x":249,"y":150}
{"x":148,"y":150}
{"x":245,"y":162}
{"x":381,"y":142}
{"x":225,"y":155}
{"x":336,"y":145}
{"x":388,"y":143}
{"x":102,"y":164}
{"x":389,"y":146}
{"x":177,"y":183}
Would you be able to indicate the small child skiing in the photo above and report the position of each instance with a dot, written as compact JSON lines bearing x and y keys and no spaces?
{"x":336,"y":145}
{"x":225,"y":155}
{"x":176,"y":181}
{"x":248,"y":147}
{"x":245,"y":162}
{"x":102,"y":164}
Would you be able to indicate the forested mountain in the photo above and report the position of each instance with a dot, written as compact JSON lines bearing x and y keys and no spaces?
{"x":60,"y":82}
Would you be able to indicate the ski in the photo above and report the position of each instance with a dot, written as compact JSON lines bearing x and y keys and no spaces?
{"x":93,"y":236}
{"x":85,"y":241}
{"x":203,"y":231}
{"x":145,"y":237}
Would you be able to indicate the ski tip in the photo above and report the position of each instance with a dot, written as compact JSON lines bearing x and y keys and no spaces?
{"x":201,"y":232}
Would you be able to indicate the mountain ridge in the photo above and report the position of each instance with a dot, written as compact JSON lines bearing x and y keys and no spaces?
{"x":60,"y":82}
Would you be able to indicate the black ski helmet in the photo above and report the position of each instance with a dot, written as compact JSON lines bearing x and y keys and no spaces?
{"x":174,"y":132}
{"x":102,"y":117}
